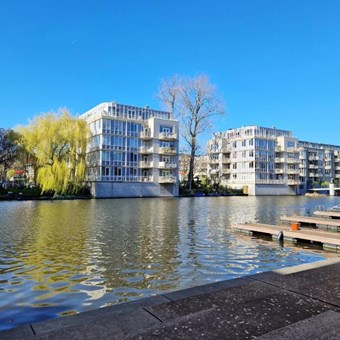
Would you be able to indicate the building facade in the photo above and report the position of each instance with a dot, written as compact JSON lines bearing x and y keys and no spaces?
{"x":133,"y":151}
{"x":270,"y":161}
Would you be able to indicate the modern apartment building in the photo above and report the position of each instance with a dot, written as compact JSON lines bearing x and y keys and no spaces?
{"x":133,"y":151}
{"x":270,"y":161}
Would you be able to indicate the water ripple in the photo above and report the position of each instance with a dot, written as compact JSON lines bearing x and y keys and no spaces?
{"x":61,"y":258}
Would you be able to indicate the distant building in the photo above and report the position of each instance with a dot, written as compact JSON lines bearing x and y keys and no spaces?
{"x":133,"y":151}
{"x":270,"y":161}
{"x":200,"y":169}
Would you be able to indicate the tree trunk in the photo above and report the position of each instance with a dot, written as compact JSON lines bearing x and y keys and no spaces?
{"x":192,"y":163}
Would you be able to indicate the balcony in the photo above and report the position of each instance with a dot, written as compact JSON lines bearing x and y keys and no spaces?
{"x":167,"y":165}
{"x":312,"y":166}
{"x":169,"y":150}
{"x":290,"y":149}
{"x":293,"y":182}
{"x":226,"y":160}
{"x":168,"y":135}
{"x":146,"y":164}
{"x":292,"y":160}
{"x":146,"y":134}
{"x":279,"y":171}
{"x":269,"y":181}
{"x":214,"y":171}
{"x":226,"y":171}
{"x":146,"y":149}
{"x":313,"y":158}
{"x":279,"y":160}
{"x":146,"y":179}
{"x":167,"y":179}
{"x":293,"y":171}
{"x":214,"y":161}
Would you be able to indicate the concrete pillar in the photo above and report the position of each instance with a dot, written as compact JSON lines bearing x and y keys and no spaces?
{"x":331,"y":189}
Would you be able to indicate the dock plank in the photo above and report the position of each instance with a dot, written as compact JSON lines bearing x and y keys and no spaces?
{"x":328,"y":213}
{"x":311,"y":220}
{"x":328,"y":239}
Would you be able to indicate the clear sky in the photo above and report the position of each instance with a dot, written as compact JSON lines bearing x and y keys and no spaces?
{"x":275,"y":62}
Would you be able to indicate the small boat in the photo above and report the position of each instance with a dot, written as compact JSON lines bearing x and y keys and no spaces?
{"x":335,"y":208}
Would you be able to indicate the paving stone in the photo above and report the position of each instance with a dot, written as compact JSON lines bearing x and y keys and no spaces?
{"x":113,"y":327}
{"x":321,"y":283}
{"x":254,"y":309}
{"x":100,"y":313}
{"x":21,"y":332}
{"x":208,"y":288}
{"x":322,"y":326}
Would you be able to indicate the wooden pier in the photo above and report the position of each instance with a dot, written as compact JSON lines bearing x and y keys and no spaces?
{"x":325,"y":223}
{"x":328,"y":214}
{"x":328,"y":240}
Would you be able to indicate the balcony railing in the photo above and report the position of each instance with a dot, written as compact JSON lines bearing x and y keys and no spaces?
{"x":167,"y":179}
{"x":168,"y":135}
{"x":167,"y":150}
{"x":146,"y":149}
{"x":214,"y":161}
{"x":269,"y":181}
{"x":214,"y":171}
{"x":279,"y":171}
{"x":146,"y":179}
{"x":167,"y":165}
{"x":293,"y":182}
{"x":146,"y":135}
{"x":144,"y":164}
{"x":279,"y":160}
{"x":292,"y":160}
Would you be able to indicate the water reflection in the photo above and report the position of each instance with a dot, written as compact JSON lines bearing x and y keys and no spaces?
{"x":59,"y":258}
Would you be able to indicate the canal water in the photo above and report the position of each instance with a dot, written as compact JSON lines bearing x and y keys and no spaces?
{"x":63,"y":257}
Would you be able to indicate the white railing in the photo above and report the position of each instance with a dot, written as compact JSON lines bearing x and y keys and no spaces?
{"x":167,"y":179}
{"x":145,"y":134}
{"x":168,"y":150}
{"x":167,"y":135}
{"x":144,"y":164}
{"x":146,"y":179}
{"x":167,"y":165}
{"x":146,"y":149}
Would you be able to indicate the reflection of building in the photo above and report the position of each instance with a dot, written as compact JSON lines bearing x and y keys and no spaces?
{"x":269,"y":161}
{"x":133,"y":151}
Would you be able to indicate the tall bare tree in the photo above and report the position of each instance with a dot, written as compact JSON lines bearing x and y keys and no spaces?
{"x":194,"y":101}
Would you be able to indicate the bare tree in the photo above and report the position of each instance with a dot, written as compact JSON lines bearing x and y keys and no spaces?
{"x":194,"y":102}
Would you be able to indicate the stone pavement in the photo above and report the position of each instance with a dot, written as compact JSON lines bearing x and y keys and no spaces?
{"x":301,"y":302}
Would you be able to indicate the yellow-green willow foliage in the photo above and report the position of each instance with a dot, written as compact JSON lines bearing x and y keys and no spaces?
{"x":58,"y":143}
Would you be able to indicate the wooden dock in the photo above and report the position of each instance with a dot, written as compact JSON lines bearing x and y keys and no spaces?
{"x":328,"y":214}
{"x":325,"y":223}
{"x":329,"y":240}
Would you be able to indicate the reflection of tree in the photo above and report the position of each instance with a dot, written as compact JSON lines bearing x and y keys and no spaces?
{"x":57,"y":246}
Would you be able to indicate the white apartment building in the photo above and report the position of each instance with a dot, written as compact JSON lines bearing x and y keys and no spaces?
{"x":133,"y":151}
{"x":270,"y":161}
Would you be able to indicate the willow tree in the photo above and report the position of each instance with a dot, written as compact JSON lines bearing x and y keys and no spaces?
{"x":194,"y":102}
{"x":58,"y":142}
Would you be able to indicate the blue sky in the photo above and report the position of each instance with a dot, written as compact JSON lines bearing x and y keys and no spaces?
{"x":276,"y":63}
